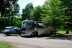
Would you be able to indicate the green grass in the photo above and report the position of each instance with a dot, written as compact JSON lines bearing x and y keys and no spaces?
{"x":62,"y":35}
{"x":61,"y":31}
{"x":4,"y":45}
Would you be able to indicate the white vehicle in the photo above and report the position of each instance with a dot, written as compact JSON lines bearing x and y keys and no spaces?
{"x":34,"y":28}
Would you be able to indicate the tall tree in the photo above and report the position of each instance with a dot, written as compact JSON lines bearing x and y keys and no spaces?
{"x":16,"y":8}
{"x":68,"y":12}
{"x":27,"y":11}
{"x":15,"y":12}
{"x":53,"y":12}
{"x":67,"y":3}
{"x":36,"y":13}
{"x":24,"y":14}
{"x":6,"y":6}
{"x":29,"y":8}
{"x":7,"y":9}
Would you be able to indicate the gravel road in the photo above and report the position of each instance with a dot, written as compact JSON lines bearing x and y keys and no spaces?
{"x":41,"y":42}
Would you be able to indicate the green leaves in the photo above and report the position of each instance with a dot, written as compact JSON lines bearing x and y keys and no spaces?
{"x":37,"y":13}
{"x":16,"y":8}
{"x":32,"y":13}
{"x":17,"y":22}
{"x":54,"y":12}
{"x":27,"y":11}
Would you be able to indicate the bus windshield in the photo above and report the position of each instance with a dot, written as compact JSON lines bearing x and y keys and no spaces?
{"x":24,"y":24}
{"x":28,"y":25}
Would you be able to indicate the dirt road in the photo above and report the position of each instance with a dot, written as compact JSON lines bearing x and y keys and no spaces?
{"x":45,"y":42}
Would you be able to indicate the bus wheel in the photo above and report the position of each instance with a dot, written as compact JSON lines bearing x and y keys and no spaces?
{"x":33,"y":34}
{"x":36,"y":33}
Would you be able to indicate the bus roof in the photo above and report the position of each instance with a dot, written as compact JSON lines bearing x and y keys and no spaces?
{"x":28,"y":21}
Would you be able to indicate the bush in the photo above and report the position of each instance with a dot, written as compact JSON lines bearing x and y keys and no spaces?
{"x":17,"y":22}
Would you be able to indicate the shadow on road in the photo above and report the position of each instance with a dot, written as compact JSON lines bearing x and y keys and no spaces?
{"x":57,"y":36}
{"x":61,"y":37}
{"x":27,"y":36}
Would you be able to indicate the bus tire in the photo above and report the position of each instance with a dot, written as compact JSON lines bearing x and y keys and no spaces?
{"x":33,"y":34}
{"x":36,"y":33}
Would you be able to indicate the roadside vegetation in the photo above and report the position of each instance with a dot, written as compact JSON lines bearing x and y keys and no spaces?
{"x":54,"y":13}
{"x":6,"y":45}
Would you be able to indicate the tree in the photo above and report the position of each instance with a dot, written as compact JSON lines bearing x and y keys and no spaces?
{"x":24,"y":14}
{"x":27,"y":11}
{"x":53,"y":13}
{"x":36,"y":13}
{"x":68,"y":13}
{"x":6,"y":6}
{"x":16,"y":8}
{"x":14,"y":12}
{"x":17,"y":22}
{"x":7,"y":9}
{"x":66,"y":3}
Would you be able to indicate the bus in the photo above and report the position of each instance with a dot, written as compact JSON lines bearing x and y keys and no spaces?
{"x":34,"y":28}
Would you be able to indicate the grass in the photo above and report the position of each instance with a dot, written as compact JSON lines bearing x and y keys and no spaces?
{"x":62,"y":35}
{"x":4,"y":45}
{"x":13,"y":34}
{"x":61,"y":31}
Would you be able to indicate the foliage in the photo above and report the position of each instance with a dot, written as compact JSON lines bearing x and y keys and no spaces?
{"x":27,"y":11}
{"x":24,"y":14}
{"x":8,"y":10}
{"x":66,"y":3}
{"x":54,"y":13}
{"x":68,"y":13}
{"x":32,"y":13}
{"x":36,"y":13}
{"x":17,"y":22}
{"x":16,"y":8}
{"x":7,"y":6}
{"x":4,"y":22}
